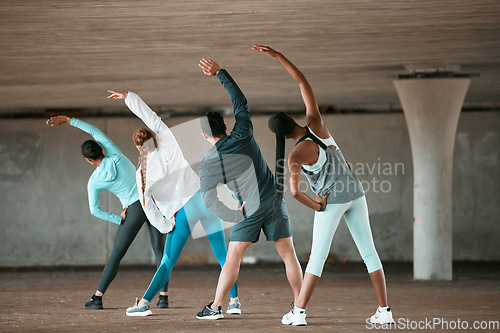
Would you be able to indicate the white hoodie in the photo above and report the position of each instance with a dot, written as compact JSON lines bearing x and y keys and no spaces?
{"x":170,"y":180}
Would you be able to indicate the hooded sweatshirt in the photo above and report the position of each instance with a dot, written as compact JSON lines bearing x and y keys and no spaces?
{"x":115,"y":174}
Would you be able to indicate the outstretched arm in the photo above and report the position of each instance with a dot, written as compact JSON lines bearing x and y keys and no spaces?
{"x":312,"y":111}
{"x":96,"y":133}
{"x":243,"y":124}
{"x":141,"y":110}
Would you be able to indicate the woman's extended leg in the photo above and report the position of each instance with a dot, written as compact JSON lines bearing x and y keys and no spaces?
{"x":173,"y":246}
{"x":158,"y":245}
{"x":127,"y":231}
{"x":359,"y":225}
{"x":325,"y":226}
{"x":124,"y":236}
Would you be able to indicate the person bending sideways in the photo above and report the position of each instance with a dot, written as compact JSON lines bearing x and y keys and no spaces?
{"x":235,"y":161}
{"x":114,"y":173}
{"x":170,"y":195}
{"x":338,"y":193}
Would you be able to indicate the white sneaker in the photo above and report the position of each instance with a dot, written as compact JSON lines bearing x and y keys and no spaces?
{"x":234,"y":307}
{"x":295,"y":317}
{"x":139,"y":310}
{"x":382,"y":316}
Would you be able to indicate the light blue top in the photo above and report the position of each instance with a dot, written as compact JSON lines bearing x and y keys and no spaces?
{"x":115,"y":174}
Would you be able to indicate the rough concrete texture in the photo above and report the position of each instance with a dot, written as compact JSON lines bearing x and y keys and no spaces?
{"x":432,"y":110}
{"x":46,"y":221}
{"x":66,"y":53}
{"x":52,"y":301}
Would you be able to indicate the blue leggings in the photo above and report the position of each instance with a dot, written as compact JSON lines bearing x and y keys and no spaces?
{"x":185,"y":220}
{"x":325,"y":225}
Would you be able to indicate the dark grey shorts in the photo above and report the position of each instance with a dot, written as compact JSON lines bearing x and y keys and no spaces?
{"x":271,"y":218}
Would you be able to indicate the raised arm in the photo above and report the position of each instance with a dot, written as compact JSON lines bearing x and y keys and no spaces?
{"x":240,"y":105}
{"x":97,"y":134}
{"x":312,"y":110}
{"x":141,"y":110}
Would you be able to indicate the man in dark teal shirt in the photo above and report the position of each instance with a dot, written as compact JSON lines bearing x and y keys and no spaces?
{"x":235,"y":160}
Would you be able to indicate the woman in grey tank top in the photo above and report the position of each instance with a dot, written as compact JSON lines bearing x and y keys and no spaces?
{"x":338,"y":193}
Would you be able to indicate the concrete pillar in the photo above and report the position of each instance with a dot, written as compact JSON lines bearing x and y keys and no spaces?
{"x":432,"y":108}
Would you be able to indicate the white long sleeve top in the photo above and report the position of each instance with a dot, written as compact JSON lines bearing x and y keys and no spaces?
{"x":170,"y":180}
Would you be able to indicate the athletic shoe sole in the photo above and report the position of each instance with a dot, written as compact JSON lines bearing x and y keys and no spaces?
{"x":140,"y":314}
{"x":382,"y":322}
{"x":234,"y":311}
{"x":93,"y":307}
{"x":215,"y":317}
{"x":294,"y":324}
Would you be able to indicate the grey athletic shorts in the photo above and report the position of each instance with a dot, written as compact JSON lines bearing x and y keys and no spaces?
{"x":271,"y":218}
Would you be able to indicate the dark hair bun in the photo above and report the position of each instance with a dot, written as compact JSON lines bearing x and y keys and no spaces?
{"x":91,"y":149}
{"x":281,"y":123}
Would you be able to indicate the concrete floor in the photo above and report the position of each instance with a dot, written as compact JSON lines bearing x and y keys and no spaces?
{"x":52,"y":300}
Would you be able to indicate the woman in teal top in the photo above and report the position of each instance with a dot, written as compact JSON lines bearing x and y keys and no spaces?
{"x":114,"y":173}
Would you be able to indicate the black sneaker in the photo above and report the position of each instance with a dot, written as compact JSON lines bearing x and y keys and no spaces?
{"x":208,"y":313}
{"x":95,"y":303}
{"x":162,"y":302}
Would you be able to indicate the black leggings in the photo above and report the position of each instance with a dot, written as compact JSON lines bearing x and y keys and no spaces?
{"x":124,"y":236}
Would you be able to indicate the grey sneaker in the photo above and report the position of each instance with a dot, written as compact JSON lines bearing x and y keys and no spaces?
{"x":139,"y":310}
{"x":234,"y":307}
{"x":208,"y":313}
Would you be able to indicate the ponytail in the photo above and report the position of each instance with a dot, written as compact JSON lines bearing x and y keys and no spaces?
{"x":142,"y":138}
{"x":279,"y":171}
{"x":281,"y":124}
{"x":143,"y":164}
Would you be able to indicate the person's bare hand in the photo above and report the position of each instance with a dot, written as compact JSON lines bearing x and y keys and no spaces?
{"x":124,"y":213}
{"x":322,"y":200}
{"x":58,"y":120}
{"x":266,"y":49}
{"x":209,"y":66}
{"x":238,"y":207}
{"x":117,"y":95}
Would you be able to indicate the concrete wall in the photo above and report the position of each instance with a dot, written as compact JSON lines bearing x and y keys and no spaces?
{"x":45,"y":218}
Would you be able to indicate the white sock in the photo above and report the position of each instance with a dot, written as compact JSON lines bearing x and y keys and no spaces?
{"x":299,"y":309}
